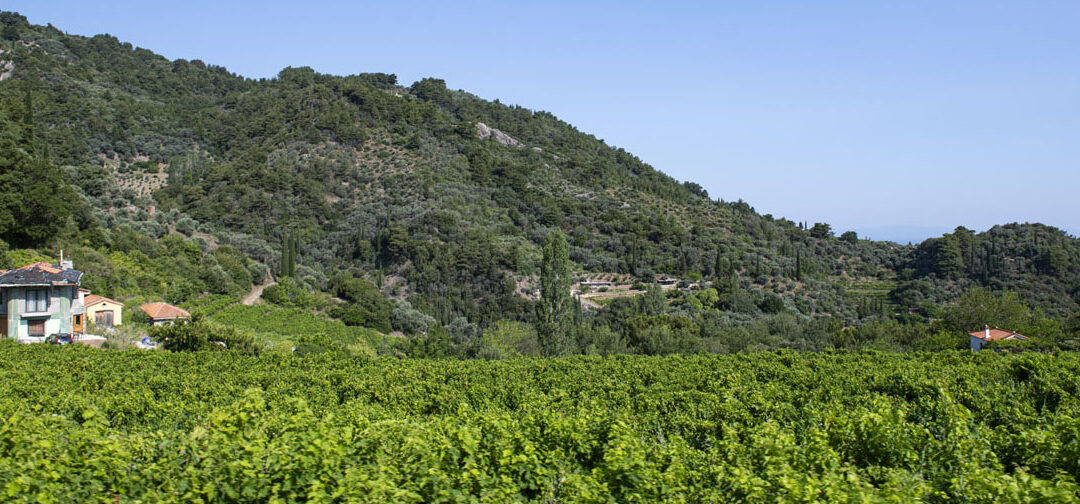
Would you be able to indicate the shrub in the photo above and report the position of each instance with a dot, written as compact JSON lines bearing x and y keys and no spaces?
{"x":197,"y":335}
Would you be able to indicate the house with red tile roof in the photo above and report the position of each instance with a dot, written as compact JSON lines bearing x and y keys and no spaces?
{"x":980,"y":338}
{"x":164,"y":313}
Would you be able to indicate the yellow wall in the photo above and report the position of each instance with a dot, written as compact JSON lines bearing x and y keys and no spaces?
{"x":91,"y":311}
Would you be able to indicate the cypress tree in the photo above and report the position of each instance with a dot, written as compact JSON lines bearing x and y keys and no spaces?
{"x":717,"y":268}
{"x":289,"y":250}
{"x":293,"y":254}
{"x":798,"y":265}
{"x":284,"y":255}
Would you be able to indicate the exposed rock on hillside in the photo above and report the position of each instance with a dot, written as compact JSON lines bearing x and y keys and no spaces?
{"x":485,"y":131}
{"x":6,"y":67}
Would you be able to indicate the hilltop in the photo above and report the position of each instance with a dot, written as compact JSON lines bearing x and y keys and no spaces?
{"x":438,"y":198}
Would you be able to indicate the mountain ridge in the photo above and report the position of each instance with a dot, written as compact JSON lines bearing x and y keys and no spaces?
{"x":399,"y":185}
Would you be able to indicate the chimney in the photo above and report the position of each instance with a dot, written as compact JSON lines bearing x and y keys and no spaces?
{"x":65,"y":265}
{"x":987,"y":337}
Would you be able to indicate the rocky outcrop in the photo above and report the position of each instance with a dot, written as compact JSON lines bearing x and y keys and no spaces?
{"x":485,"y":131}
{"x":6,"y":67}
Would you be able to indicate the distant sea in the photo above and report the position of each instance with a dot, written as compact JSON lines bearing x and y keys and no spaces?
{"x":901,"y":234}
{"x":913,"y":234}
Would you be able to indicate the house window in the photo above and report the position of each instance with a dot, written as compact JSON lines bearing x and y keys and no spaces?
{"x":37,"y":328}
{"x":37,"y":300}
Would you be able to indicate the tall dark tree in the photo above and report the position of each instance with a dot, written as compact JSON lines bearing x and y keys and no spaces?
{"x":554,"y":315}
{"x":290,"y":248}
{"x":821,"y":230}
{"x":798,"y":265}
{"x":294,"y":254}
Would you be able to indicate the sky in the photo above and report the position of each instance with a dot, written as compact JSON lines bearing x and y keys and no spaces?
{"x":899,"y":120}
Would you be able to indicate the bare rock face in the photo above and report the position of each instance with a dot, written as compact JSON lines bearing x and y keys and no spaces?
{"x":485,"y":131}
{"x":6,"y":67}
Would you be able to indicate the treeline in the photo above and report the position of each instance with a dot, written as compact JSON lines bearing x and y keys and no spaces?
{"x":1041,"y":261}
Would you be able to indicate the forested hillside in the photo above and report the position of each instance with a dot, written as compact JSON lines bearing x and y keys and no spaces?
{"x":422,"y":209}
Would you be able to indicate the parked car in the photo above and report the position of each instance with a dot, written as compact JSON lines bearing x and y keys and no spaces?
{"x":59,"y":339}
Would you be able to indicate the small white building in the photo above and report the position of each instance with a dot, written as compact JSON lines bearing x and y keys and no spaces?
{"x":980,"y":338}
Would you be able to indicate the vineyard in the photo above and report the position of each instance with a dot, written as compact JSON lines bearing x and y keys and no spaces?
{"x":273,"y":323}
{"x":277,"y":327}
{"x":82,"y":425}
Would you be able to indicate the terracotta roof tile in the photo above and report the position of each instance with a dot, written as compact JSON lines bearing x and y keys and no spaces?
{"x":997,"y":334}
{"x":161,"y":310}
{"x":93,"y":299}
{"x":43,"y":266}
{"x":40,"y":273}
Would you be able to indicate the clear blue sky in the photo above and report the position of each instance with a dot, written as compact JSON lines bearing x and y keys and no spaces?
{"x":896,"y":119}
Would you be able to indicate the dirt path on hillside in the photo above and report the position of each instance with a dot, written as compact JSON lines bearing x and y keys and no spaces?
{"x":256,"y":291}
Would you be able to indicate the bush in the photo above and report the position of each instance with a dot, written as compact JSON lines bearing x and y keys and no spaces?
{"x":313,"y":344}
{"x":771,"y":304}
{"x":133,"y":315}
{"x":290,"y":293}
{"x":198,"y":335}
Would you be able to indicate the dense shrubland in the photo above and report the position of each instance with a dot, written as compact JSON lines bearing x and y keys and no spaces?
{"x":177,"y":179}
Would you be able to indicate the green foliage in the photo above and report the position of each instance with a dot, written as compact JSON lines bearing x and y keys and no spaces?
{"x":979,"y":307}
{"x":290,"y":249}
{"x":554,"y":309}
{"x":821,"y":230}
{"x":318,"y":343}
{"x":271,"y":324}
{"x":664,"y":334}
{"x":134,"y":316}
{"x":508,"y":338}
{"x":1036,"y":261}
{"x":366,"y":305}
{"x":197,"y":334}
{"x":185,"y":179}
{"x":35,"y":204}
{"x":288,"y":292}
{"x":435,"y":344}
{"x":653,"y":302}
{"x":768,"y":427}
{"x":771,"y":304}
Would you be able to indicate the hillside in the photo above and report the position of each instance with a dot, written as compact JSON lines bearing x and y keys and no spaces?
{"x":437,"y":197}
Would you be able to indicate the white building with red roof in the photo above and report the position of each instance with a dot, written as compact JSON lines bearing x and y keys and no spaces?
{"x":980,"y":338}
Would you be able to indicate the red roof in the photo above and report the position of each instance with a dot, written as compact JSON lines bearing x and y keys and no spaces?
{"x":93,"y":299}
{"x":43,"y":266}
{"x":164,"y":311}
{"x":997,"y":334}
